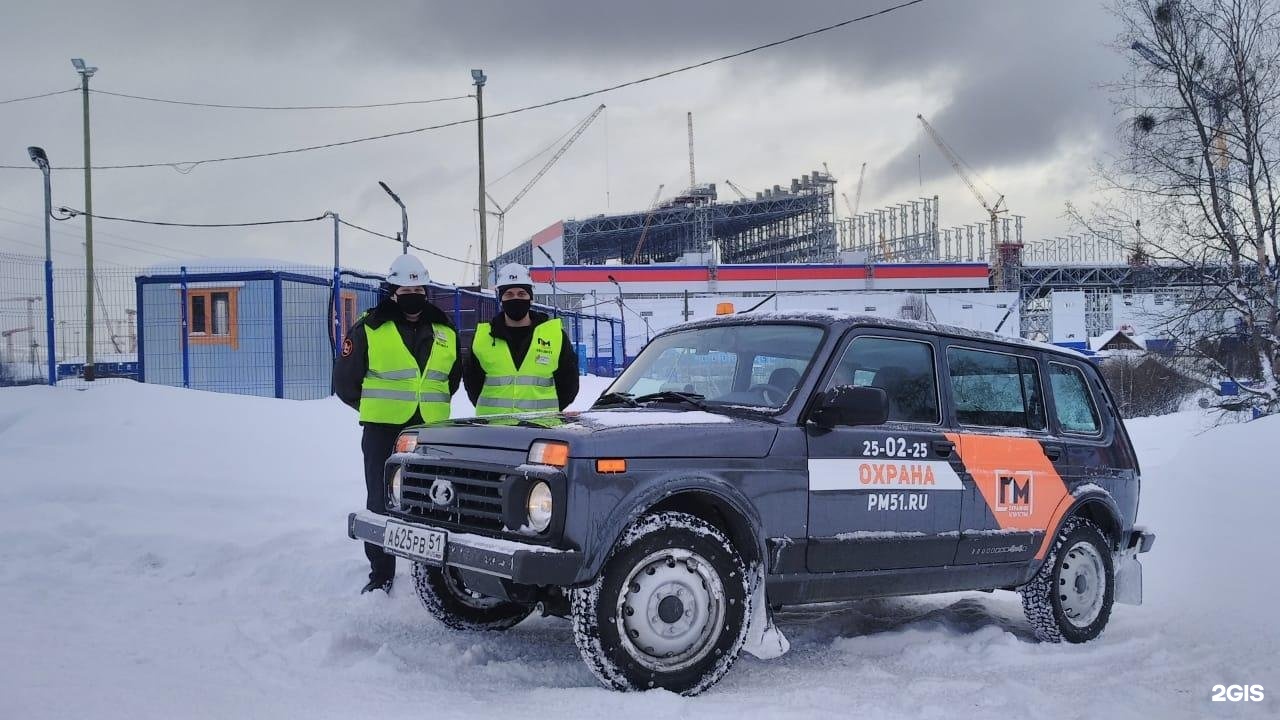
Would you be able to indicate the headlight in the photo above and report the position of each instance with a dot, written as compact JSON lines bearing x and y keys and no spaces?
{"x":540,"y":507}
{"x":397,"y":488}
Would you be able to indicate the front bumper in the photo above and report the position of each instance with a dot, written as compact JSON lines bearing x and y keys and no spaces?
{"x":521,"y":563}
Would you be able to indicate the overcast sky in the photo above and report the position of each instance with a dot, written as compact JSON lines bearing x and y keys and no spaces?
{"x":1013,"y":86}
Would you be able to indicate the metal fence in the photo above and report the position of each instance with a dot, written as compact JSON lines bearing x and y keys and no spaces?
{"x":269,"y":330}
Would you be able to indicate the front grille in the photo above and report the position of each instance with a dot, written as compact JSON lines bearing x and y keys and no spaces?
{"x":476,"y":501}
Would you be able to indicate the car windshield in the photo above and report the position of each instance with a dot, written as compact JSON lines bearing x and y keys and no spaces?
{"x":757,"y":366}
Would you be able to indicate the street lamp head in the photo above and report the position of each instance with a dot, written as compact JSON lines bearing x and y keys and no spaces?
{"x":79,"y":65}
{"x":38,"y":156}
{"x":479,"y":77}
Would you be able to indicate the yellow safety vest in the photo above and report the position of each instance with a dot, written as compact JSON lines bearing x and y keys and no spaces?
{"x":531,"y":388}
{"x":393,"y":387}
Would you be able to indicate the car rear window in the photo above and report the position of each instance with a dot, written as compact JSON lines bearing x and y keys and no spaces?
{"x":1072,"y":402}
{"x":902,"y":368}
{"x":995,"y":389}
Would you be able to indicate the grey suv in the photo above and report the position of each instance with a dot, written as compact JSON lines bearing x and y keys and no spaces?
{"x":749,"y":462}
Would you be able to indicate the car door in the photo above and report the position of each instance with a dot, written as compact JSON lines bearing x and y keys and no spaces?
{"x":886,"y":496}
{"x":1012,"y":488}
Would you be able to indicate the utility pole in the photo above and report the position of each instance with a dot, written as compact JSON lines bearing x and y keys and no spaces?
{"x":479,"y":78}
{"x":87,"y":72}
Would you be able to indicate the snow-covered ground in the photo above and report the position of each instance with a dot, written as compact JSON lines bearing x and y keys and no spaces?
{"x":177,"y":554}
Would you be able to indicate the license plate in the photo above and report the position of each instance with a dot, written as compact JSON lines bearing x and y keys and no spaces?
{"x":415,"y":543}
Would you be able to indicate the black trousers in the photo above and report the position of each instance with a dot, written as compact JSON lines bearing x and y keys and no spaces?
{"x":377,"y":444}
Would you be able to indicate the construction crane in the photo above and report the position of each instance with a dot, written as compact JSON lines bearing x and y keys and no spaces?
{"x":857,"y":196}
{"x":959,"y":165}
{"x":735,"y":188}
{"x":692,"y":178}
{"x":644,"y":232}
{"x":502,"y":211}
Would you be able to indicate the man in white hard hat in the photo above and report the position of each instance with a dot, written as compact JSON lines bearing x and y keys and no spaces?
{"x":522,"y":360}
{"x":399,"y":366}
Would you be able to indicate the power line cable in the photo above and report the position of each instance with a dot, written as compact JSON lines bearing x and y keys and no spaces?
{"x":72,"y":212}
{"x":393,"y":238}
{"x":188,"y":165}
{"x":167,"y":101}
{"x":97,"y":233}
{"x":122,"y":246}
{"x":37,"y":97}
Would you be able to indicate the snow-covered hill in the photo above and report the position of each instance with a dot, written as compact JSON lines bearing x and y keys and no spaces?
{"x":177,"y":554}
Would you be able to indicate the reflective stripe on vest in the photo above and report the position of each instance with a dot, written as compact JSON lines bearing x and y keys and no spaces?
{"x":393,"y":387}
{"x":529,"y":388}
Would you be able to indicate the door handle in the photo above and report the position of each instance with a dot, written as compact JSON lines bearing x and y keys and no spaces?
{"x":1053,"y":452}
{"x":943,"y":447}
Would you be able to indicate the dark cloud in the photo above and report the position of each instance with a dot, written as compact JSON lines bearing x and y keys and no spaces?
{"x":1009,"y":83}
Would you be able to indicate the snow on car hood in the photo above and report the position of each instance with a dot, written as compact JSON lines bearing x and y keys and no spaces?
{"x":614,"y":432}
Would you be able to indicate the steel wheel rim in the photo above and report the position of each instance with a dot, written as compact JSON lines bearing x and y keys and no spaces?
{"x":1082,"y":584}
{"x":652,"y":632}
{"x":464,"y":594}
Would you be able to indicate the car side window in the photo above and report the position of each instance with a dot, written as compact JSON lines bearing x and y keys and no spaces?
{"x":995,"y":389}
{"x":1072,"y":402}
{"x":904,"y":369}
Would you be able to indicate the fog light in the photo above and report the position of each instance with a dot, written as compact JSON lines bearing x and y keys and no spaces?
{"x":539,"y":507}
{"x":397,"y":488}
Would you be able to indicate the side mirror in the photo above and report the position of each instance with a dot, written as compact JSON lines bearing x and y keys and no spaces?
{"x":852,"y":405}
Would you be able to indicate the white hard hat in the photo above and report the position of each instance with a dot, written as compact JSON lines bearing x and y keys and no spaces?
{"x":407,"y":271}
{"x":513,"y":274}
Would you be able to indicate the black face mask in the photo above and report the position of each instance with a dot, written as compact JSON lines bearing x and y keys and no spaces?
{"x":411,"y":303}
{"x":516,"y":309}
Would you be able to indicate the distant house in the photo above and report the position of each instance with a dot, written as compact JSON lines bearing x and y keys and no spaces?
{"x":1117,"y":341}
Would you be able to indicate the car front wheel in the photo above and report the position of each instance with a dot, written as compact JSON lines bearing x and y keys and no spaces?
{"x":444,"y":594}
{"x":669,"y":610}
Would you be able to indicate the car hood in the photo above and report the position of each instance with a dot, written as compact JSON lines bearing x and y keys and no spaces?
{"x":614,"y":432}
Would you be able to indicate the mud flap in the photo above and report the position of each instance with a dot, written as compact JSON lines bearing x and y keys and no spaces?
{"x":1128,"y":578}
{"x":764,"y":640}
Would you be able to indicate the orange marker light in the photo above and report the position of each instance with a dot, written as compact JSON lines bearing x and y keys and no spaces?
{"x":407,"y":442}
{"x":724,"y":308}
{"x":611,"y":466}
{"x":549,"y":452}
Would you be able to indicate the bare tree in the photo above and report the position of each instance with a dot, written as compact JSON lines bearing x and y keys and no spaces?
{"x":1194,"y":186}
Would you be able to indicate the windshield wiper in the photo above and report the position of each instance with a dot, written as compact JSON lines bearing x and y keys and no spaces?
{"x":615,"y":398}
{"x":693,"y":399}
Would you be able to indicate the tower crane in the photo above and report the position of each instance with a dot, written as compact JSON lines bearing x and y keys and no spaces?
{"x":959,"y":165}
{"x":857,"y":196}
{"x":735,"y":188}
{"x":644,"y":232}
{"x":501,"y":212}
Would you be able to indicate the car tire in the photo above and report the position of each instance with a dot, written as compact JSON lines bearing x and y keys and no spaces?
{"x":444,"y":594}
{"x":670,"y":609}
{"x":1071,"y":596}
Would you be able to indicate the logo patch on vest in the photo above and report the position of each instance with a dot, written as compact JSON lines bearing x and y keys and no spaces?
{"x":347,"y":346}
{"x":544,"y":343}
{"x":543,"y":360}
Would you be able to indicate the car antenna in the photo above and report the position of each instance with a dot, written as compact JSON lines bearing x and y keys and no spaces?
{"x":753,"y":307}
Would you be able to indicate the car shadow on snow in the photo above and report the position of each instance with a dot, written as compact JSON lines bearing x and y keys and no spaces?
{"x":958,"y":615}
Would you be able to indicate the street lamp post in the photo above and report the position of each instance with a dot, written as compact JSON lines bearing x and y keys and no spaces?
{"x":479,"y":78}
{"x":404,"y":219}
{"x":87,"y":72}
{"x":41,"y":160}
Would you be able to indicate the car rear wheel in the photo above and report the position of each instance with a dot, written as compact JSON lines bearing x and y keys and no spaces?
{"x":1070,"y":598}
{"x":669,"y":610}
{"x":444,"y":594}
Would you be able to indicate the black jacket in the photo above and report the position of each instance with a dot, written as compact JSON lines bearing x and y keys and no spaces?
{"x":518,"y":339}
{"x":353,"y":360}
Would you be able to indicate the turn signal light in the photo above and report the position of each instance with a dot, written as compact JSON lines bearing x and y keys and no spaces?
{"x":605,"y":467}
{"x":407,"y":442}
{"x":549,"y":452}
